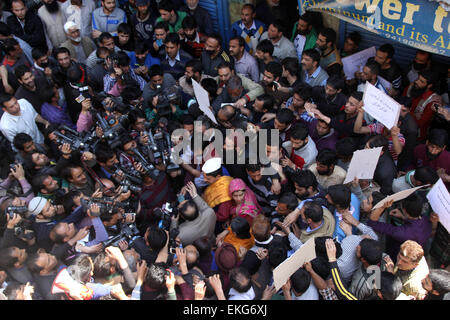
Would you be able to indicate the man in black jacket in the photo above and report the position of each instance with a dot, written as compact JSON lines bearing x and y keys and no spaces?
{"x":329,"y":98}
{"x":200,"y":15}
{"x":409,"y":129}
{"x":27,"y":25}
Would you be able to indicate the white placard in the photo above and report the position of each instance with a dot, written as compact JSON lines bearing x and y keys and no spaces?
{"x":357,"y":61}
{"x":440,"y":202}
{"x":381,"y":106}
{"x":397,"y":196}
{"x":363,"y":164}
{"x":288,"y":267}
{"x":299,"y":44}
{"x":201,"y":95}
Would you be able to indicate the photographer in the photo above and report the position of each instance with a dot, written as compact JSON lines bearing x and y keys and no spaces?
{"x":17,"y":174}
{"x":25,"y":145}
{"x":162,"y":106}
{"x":18,"y":233}
{"x":159,"y":81}
{"x":120,"y":71}
{"x":196,"y":219}
{"x":153,"y":242}
{"x":45,"y":186}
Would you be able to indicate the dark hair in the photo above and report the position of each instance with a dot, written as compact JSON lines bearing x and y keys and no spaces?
{"x":68,"y":199}
{"x":313,"y":54}
{"x":185,"y":206}
{"x":210,"y":85}
{"x":358,"y":95}
{"x":124,"y":28}
{"x":240,"y":40}
{"x":379,"y":141}
{"x":156,"y":278}
{"x":413,"y":205}
{"x":291,"y":65}
{"x":387,"y":48}
{"x":377,"y":197}
{"x":5,"y":30}
{"x":327,"y":157}
{"x":438,"y":137}
{"x":32,"y":263}
{"x":345,"y":147}
{"x":155,"y":70}
{"x":321,"y":266}
{"x":308,"y":18}
{"x":405,"y":101}
{"x":162,"y":25}
{"x":299,"y":131}
{"x":329,"y":34}
{"x":313,"y":211}
{"x":277,"y":253}
{"x":268,"y":101}
{"x":253,"y":167}
{"x":305,"y":179}
{"x":355,"y":36}
{"x":304,"y":92}
{"x":38,"y":182}
{"x":140,"y":47}
{"x":166,"y":5}
{"x":249,"y":6}
{"x":225,"y":64}
{"x":204,"y":246}
{"x":321,"y":249}
{"x":156,"y":239}
{"x":390,"y":285}
{"x":371,"y":251}
{"x":374,"y":66}
{"x":37,"y":53}
{"x":289,"y":199}
{"x":123,"y":59}
{"x":20,"y":139}
{"x":426,"y":175}
{"x":195,"y":64}
{"x":103,"y":153}
{"x":10,"y":45}
{"x":241,"y":227}
{"x":104,"y":36}
{"x":217,"y":37}
{"x":102,"y":268}
{"x":266,"y":46}
{"x":300,"y":280}
{"x":59,"y":50}
{"x":75,"y":73}
{"x":440,"y":279}
{"x":285,"y":116}
{"x":240,"y":279}
{"x":341,"y":195}
{"x":278,"y":24}
{"x":335,"y":81}
{"x":7,"y":260}
{"x":172,"y":37}
{"x":189,"y":23}
{"x":432,"y":77}
{"x":5,"y":97}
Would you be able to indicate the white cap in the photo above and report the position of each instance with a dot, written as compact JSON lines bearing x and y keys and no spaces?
{"x":70,"y":25}
{"x":36,"y":205}
{"x":212,"y":165}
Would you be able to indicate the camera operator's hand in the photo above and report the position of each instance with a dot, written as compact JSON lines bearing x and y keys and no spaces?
{"x":97,"y":194}
{"x":98,"y":131}
{"x":200,"y":290}
{"x":12,"y":222}
{"x":81,"y":234}
{"x":285,"y":229}
{"x":123,"y":245}
{"x":60,"y":209}
{"x":87,"y":156}
{"x":94,"y":210}
{"x":30,"y":241}
{"x":28,"y":291}
{"x":191,"y":189}
{"x":66,"y":150}
{"x":116,"y":254}
{"x":18,"y":172}
{"x":155,"y":101}
{"x":123,"y":196}
{"x":92,"y":249}
{"x":181,"y":256}
{"x":261,"y":253}
{"x":170,"y":282}
{"x":119,"y":176}
{"x":138,"y":167}
{"x":86,"y":105}
{"x":141,"y":272}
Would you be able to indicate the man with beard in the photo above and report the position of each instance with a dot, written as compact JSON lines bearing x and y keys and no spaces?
{"x":213,"y":55}
{"x":27,"y":25}
{"x":193,"y":42}
{"x":35,"y":90}
{"x":244,"y":63}
{"x":264,"y":55}
{"x":143,"y":21}
{"x":351,"y":44}
{"x":434,"y":155}
{"x":329,"y":98}
{"x":424,"y":100}
{"x":44,"y":267}
{"x":271,"y":85}
{"x":326,"y":170}
{"x":105,"y":40}
{"x":248,"y":28}
{"x":307,"y":187}
{"x":200,"y":15}
{"x":80,"y":47}
{"x":80,"y":12}
{"x":283,"y":48}
{"x":168,"y":14}
{"x":304,"y":35}
{"x":53,"y":20}
{"x":230,"y":94}
{"x":107,"y":18}
{"x":323,"y":135}
{"x":41,"y":67}
{"x":421,"y":62}
{"x":312,"y":72}
{"x":330,"y":59}
{"x":389,"y":69}
{"x":193,"y":70}
{"x":301,"y":148}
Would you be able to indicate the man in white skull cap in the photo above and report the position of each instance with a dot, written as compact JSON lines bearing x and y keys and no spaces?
{"x":218,"y":184}
{"x":80,"y":47}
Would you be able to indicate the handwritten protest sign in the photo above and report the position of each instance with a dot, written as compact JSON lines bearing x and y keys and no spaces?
{"x":440,"y":202}
{"x":288,"y":267}
{"x":356,"y":62}
{"x":201,"y":95}
{"x":397,"y":196}
{"x":363,"y":164}
{"x":380,"y":106}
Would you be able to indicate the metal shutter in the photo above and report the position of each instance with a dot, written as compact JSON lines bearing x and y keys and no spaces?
{"x":219,"y":12}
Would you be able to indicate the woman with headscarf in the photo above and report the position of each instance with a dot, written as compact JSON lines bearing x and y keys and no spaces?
{"x":243,"y":204}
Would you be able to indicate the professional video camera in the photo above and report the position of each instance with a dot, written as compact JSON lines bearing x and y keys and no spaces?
{"x":77,"y":142}
{"x":127,"y":232}
{"x":164,"y":153}
{"x":147,"y":166}
{"x":131,"y":181}
{"x":166,"y":97}
{"x":127,"y":185}
{"x":164,"y":215}
{"x":110,"y":133}
{"x":106,"y":204}
{"x":23,"y":225}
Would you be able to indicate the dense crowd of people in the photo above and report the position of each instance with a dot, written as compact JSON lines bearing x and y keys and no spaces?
{"x":98,"y":200}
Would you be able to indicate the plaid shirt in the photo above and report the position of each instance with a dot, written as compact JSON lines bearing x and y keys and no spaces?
{"x":328,"y":294}
{"x":377,"y":128}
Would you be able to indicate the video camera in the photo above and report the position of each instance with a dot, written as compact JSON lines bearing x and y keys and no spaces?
{"x":164,"y":215}
{"x":164,"y":151}
{"x":147,"y":166}
{"x":131,"y":181}
{"x":127,"y":232}
{"x":110,"y":133}
{"x":21,"y":227}
{"x":166,"y":97}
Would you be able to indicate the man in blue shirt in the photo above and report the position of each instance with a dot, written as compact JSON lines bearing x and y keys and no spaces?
{"x":107,"y":18}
